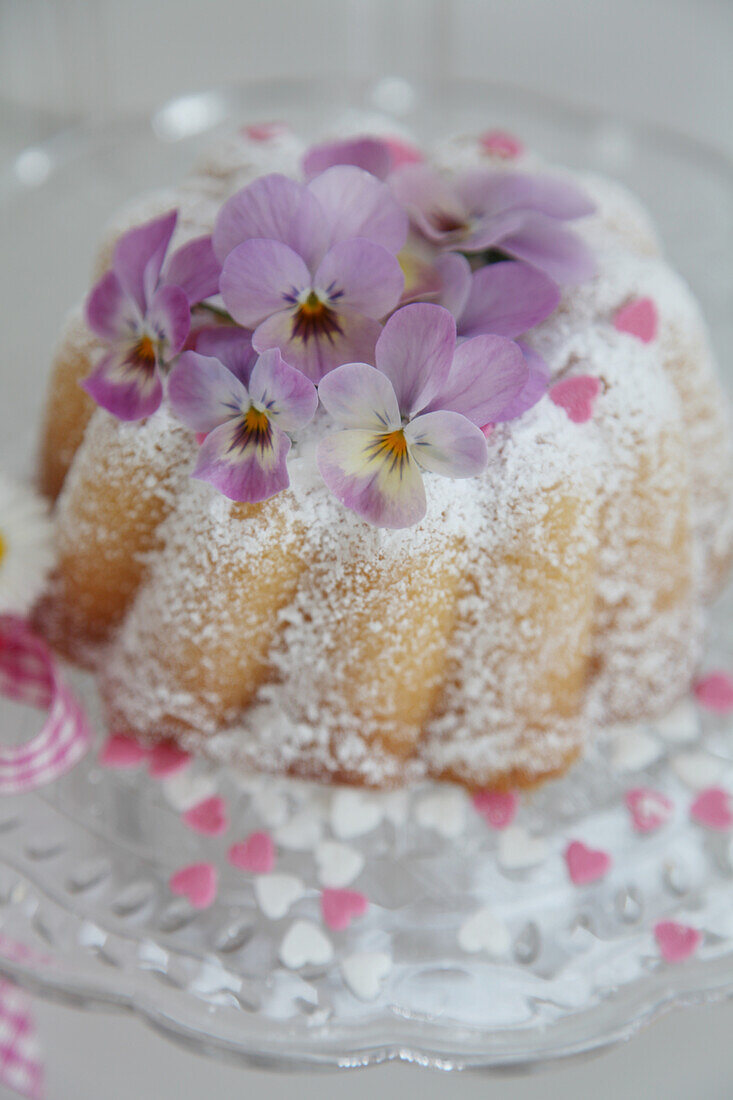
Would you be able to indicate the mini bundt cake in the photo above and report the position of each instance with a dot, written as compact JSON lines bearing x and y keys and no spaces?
{"x":317,"y":599}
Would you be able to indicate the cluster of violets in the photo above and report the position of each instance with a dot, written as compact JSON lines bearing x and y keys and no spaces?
{"x":391,"y":294}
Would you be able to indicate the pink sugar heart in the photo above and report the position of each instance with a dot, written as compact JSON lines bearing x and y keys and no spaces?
{"x":676,"y":941}
{"x":200,"y":437}
{"x":487,"y":430}
{"x":712,"y":808}
{"x":576,"y":395}
{"x":121,"y":751}
{"x":255,"y":854}
{"x":403,"y":152}
{"x":166,"y":758}
{"x":264,"y":131}
{"x":638,"y":318}
{"x":500,"y":143}
{"x":715,"y":692}
{"x":197,"y":883}
{"x":497,"y":808}
{"x":649,"y":809}
{"x":340,"y":907}
{"x":208,"y":817}
{"x":585,"y":864}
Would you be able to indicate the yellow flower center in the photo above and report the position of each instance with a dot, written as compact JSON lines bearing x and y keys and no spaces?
{"x":3,"y":547}
{"x":256,"y":422}
{"x":392,"y":447}
{"x":144,"y":353}
{"x":314,"y":317}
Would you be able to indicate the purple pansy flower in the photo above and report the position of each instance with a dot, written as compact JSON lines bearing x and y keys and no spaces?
{"x":521,"y":215}
{"x":244,"y":420}
{"x":379,"y":156}
{"x":505,"y":299}
{"x":311,"y":268}
{"x":421,"y":409}
{"x":143,"y":313}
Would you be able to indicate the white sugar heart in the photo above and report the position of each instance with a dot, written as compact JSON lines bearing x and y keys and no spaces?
{"x":518,"y":849}
{"x":276,"y":893}
{"x":338,"y":864}
{"x":632,"y":749}
{"x":681,"y":724}
{"x":697,"y":770}
{"x":271,"y":806}
{"x":354,"y":813}
{"x":184,"y":789}
{"x":395,"y":807}
{"x":364,"y":973}
{"x":301,"y":833}
{"x":484,"y":931}
{"x":444,"y":811}
{"x":304,"y":944}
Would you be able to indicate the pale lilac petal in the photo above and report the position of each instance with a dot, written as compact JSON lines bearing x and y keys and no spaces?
{"x":355,"y":341}
{"x":110,"y":312}
{"x":169,"y":316}
{"x":490,"y":230}
{"x":488,"y":373}
{"x":494,"y":192}
{"x":125,"y":388}
{"x":242,"y":467}
{"x":287,"y":396}
{"x":359,"y":396}
{"x":415,"y":351}
{"x":448,"y":444}
{"x":363,"y":152}
{"x":260,"y":278}
{"x":552,"y":248}
{"x":195,"y":269}
{"x":203,"y":393}
{"x":361,"y":276}
{"x":231,"y":345}
{"x":422,"y":280}
{"x":276,"y":208}
{"x":358,"y":205}
{"x":507,"y":299}
{"x":455,"y":277}
{"x":366,"y":478}
{"x":429,"y":199}
{"x":538,"y":378}
{"x":139,"y":254}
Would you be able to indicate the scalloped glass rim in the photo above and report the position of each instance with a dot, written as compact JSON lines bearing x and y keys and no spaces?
{"x":640,"y":154}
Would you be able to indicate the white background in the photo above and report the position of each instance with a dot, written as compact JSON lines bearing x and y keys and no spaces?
{"x":667,"y":61}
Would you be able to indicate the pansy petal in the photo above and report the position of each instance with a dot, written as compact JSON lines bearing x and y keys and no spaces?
{"x":507,"y":299}
{"x":195,"y":269}
{"x":139,"y":254}
{"x":121,"y":386}
{"x":353,"y":340}
{"x":455,"y":277}
{"x":371,"y":480}
{"x":538,"y":378}
{"x":231,"y":345}
{"x":361,"y":276}
{"x":488,"y":373}
{"x":447,"y":443}
{"x":359,"y":396}
{"x":495,"y":191}
{"x":429,"y":199}
{"x":203,"y":393}
{"x":260,"y":278}
{"x":242,"y":467}
{"x":358,"y":205}
{"x":552,"y":248}
{"x":110,"y":312}
{"x":490,"y":230}
{"x":422,"y":280}
{"x":288,"y":397}
{"x":275,"y":208}
{"x":415,"y":351}
{"x":169,"y":316}
{"x":363,"y":152}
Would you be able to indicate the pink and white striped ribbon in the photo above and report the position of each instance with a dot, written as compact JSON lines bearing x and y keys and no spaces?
{"x":29,"y":674}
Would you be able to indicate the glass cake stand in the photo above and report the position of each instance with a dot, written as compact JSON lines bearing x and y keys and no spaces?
{"x":492,"y":960}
